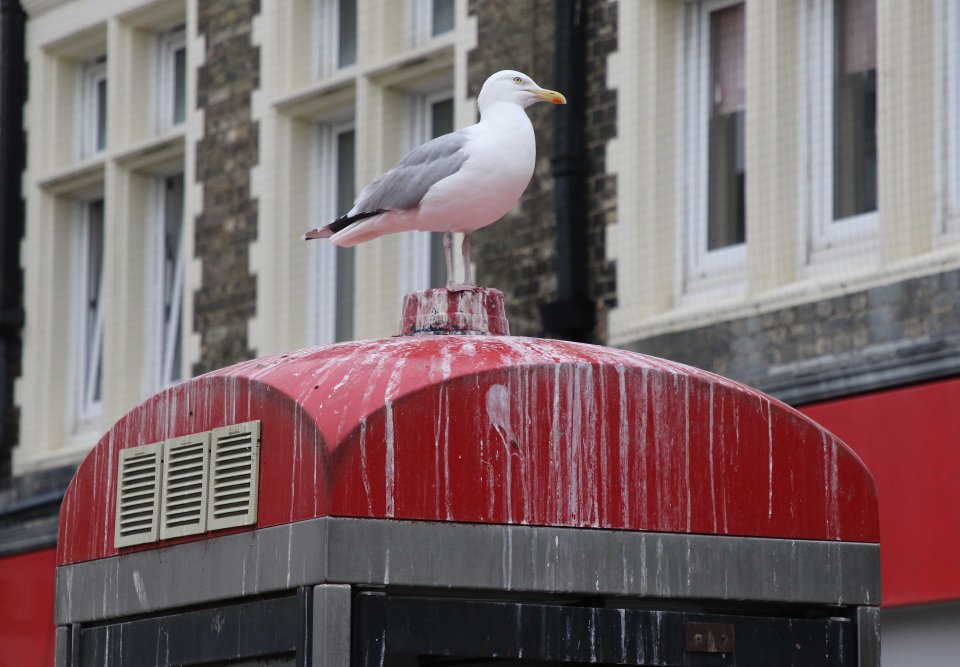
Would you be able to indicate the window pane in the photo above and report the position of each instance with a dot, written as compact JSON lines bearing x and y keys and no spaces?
{"x":173,"y":224}
{"x":94,"y":279}
{"x":726,"y":160}
{"x":91,"y":120}
{"x":94,"y":261}
{"x":345,"y":169}
{"x":442,"y":16}
{"x":176,"y":351}
{"x":345,"y":285}
{"x":345,"y":256}
{"x":172,"y":283}
{"x":438,"y":260}
{"x":347,"y":33}
{"x":101,"y":115}
{"x":441,"y":118}
{"x":855,"y":108}
{"x":179,"y":85}
{"x":441,"y":122}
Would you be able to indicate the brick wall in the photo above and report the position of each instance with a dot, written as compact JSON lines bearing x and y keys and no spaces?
{"x":226,"y":299}
{"x":601,"y":126}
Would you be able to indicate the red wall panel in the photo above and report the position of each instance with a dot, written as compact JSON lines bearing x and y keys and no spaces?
{"x":26,"y":609}
{"x":910,"y":440}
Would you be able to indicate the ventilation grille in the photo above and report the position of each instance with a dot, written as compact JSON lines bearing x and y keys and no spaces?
{"x":234,"y":472}
{"x":137,"y":495}
{"x":184,"y":506}
{"x":188,"y":485}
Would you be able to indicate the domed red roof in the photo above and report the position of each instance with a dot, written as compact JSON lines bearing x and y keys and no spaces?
{"x":500,"y":429}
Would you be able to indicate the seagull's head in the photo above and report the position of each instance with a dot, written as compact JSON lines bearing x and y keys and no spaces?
{"x":516,"y":88}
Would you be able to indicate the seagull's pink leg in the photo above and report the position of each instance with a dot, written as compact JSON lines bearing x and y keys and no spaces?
{"x":448,"y":256}
{"x":467,"y":278}
{"x":467,"y":282}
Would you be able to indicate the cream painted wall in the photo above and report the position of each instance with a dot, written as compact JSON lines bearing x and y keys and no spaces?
{"x":907,"y":181}
{"x":645,"y":241}
{"x":911,"y":179}
{"x":643,"y":158}
{"x":60,"y":37}
{"x":292,"y":101}
{"x":772,"y":154}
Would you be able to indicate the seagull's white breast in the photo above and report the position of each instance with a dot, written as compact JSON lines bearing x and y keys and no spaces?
{"x":501,"y":155}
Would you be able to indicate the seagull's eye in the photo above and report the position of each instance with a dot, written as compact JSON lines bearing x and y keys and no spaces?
{"x":517,"y":80}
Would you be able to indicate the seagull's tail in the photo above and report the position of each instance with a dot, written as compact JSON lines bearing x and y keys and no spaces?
{"x":360,"y":232}
{"x":318,"y":233}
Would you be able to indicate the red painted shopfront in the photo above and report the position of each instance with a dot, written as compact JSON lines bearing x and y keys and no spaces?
{"x":910,"y":440}
{"x":26,"y":609}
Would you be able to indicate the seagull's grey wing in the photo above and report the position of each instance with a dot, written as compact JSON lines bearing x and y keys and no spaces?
{"x":405,"y":185}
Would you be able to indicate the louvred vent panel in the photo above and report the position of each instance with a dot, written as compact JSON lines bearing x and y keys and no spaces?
{"x":138,"y":487}
{"x":234,"y":475}
{"x":184,"y":507}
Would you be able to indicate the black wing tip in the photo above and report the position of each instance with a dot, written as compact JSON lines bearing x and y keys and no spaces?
{"x":340,"y":223}
{"x":345,"y":221}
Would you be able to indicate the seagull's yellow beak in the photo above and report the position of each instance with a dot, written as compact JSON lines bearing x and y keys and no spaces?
{"x":551,"y":96}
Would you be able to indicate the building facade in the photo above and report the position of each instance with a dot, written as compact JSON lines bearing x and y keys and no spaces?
{"x":770,"y":191}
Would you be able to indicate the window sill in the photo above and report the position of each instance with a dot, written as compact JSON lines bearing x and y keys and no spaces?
{"x":714,"y":290}
{"x":87,"y":177}
{"x":155,"y":151}
{"x":319,"y":97}
{"x":74,"y":450}
{"x":432,"y":57}
{"x":79,"y":179}
{"x":337,"y":90}
{"x":849,"y":246}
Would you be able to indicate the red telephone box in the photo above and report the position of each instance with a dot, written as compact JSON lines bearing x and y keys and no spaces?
{"x":467,"y":498}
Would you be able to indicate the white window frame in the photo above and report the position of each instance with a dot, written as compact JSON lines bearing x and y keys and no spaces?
{"x":326,"y":55}
{"x":87,"y":353}
{"x":415,"y":250}
{"x":323,"y":259}
{"x":165,"y":83}
{"x":703,"y":271}
{"x":91,"y":74}
{"x":164,"y":335}
{"x":947,"y":91}
{"x":825,"y":243}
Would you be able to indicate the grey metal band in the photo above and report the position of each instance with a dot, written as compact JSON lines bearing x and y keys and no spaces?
{"x":868,"y":637}
{"x":331,"y":625}
{"x":529,"y":559}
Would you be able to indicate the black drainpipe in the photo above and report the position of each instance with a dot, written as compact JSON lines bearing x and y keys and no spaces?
{"x":12,"y":150}
{"x":571,"y":316}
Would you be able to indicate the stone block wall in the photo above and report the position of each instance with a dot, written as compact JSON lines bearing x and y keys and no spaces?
{"x":601,"y":127}
{"x":517,"y":254}
{"x":227,"y":297}
{"x":904,"y":332}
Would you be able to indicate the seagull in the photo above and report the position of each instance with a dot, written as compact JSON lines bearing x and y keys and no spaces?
{"x":458,"y":182}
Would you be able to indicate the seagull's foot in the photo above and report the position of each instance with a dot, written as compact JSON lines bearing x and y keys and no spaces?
{"x":460,"y":287}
